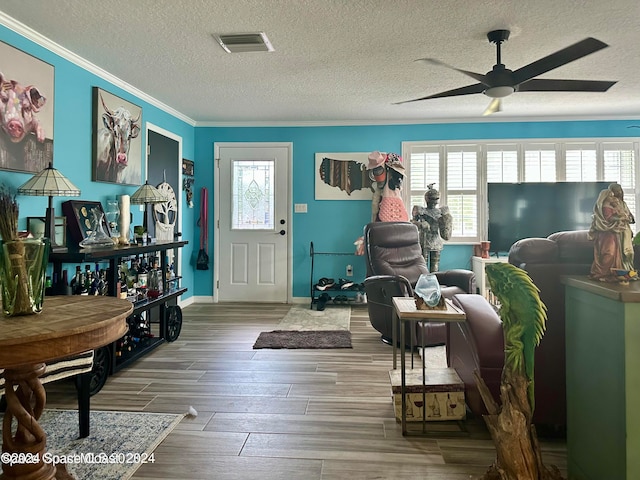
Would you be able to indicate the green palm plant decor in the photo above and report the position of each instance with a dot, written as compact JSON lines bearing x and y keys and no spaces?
{"x":523,"y":320}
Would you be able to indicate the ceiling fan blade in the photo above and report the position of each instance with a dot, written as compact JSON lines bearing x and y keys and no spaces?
{"x":494,"y":106}
{"x":468,"y":90}
{"x":548,"y":85}
{"x":557,"y":59}
{"x":478,"y":76}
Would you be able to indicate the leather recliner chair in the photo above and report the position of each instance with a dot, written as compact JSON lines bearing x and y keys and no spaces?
{"x":479,"y":343}
{"x":394,"y":263}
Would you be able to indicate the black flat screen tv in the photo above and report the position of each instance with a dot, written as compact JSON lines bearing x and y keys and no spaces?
{"x":523,"y":210}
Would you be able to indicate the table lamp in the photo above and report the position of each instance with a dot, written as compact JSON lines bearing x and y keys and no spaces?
{"x":49,"y":182}
{"x":147,"y":194}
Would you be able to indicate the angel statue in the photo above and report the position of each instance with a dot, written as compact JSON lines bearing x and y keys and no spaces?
{"x":434,"y":224}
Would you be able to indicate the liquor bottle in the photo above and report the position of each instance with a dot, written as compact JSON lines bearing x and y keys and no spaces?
{"x":78,"y":281}
{"x":143,"y":271}
{"x":95,"y":280}
{"x":86,"y":286}
{"x":102,"y":282}
{"x":124,"y":290}
{"x":171,"y":276}
{"x":132,"y":275}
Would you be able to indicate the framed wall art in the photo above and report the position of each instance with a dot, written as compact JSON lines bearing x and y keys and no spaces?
{"x":342,"y":176}
{"x":26,"y":141}
{"x":35,"y":226}
{"x":187,"y":167}
{"x":117,"y":146}
{"x":80,"y":216}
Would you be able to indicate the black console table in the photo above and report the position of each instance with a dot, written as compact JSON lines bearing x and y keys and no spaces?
{"x":108,"y":360}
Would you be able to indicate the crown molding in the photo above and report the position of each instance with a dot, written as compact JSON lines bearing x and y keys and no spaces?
{"x":30,"y":34}
{"x":424,"y":121}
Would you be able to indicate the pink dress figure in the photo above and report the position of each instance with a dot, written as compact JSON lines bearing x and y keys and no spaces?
{"x":391,"y":207}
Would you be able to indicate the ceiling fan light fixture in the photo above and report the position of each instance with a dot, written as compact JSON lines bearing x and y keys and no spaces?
{"x":499,"y":92}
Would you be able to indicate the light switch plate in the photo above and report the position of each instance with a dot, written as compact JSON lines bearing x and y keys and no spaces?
{"x":300,"y":208}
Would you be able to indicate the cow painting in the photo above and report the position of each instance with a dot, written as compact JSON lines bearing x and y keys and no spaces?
{"x":116,"y":159}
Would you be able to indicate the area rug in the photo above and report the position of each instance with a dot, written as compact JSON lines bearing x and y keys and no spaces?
{"x":129,"y":436}
{"x":302,"y":317}
{"x":304,"y":339}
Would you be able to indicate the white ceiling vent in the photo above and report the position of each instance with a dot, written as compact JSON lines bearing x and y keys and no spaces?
{"x":244,"y":42}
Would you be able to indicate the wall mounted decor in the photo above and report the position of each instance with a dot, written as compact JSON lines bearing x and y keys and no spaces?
{"x":342,"y":176}
{"x":117,"y":146}
{"x":81,"y":215}
{"x":26,"y":111}
{"x":187,"y":167}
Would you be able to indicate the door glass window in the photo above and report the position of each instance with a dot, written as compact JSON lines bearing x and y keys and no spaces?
{"x":253,"y":195}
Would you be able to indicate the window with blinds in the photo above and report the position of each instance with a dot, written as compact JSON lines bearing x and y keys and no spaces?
{"x":539,"y":163}
{"x":461,"y":171}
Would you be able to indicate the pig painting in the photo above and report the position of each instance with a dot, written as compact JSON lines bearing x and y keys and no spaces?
{"x":18,"y":108}
{"x":26,"y":111}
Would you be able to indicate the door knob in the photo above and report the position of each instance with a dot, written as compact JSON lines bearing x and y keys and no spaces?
{"x":282,"y":232}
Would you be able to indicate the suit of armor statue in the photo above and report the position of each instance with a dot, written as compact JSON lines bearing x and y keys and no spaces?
{"x":434,"y":225}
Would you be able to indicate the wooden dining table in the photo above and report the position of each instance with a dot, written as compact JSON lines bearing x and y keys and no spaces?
{"x":67,"y":325}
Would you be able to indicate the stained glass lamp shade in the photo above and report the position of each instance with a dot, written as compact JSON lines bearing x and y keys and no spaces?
{"x":49,"y":183}
{"x":147,"y":194}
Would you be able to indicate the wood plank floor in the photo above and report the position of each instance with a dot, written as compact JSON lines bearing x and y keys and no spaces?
{"x":282,"y":414}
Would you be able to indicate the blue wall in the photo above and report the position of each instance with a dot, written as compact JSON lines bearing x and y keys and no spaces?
{"x":333,"y":226}
{"x":73,"y":139}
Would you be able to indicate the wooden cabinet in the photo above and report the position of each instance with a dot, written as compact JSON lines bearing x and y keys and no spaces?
{"x":112,"y":358}
{"x":603,"y":379}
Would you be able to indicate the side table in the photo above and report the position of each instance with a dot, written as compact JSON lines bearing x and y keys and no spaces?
{"x":67,"y":325}
{"x":404,"y":310}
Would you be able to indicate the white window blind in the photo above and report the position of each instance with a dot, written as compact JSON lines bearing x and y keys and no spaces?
{"x":581,"y":163}
{"x":540,"y":163}
{"x":461,"y":171}
{"x":502,"y":163}
{"x":619,"y":166}
{"x":461,"y":194}
{"x":425,"y":169}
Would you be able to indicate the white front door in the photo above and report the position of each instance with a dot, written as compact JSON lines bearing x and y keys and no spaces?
{"x":253,"y":210}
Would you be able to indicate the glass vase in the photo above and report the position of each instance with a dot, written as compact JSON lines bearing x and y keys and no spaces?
{"x":23,"y":266}
{"x":428,"y":288}
{"x":97,"y":235}
{"x":112,"y":215}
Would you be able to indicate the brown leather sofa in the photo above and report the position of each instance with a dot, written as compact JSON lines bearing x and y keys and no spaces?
{"x":479,"y":344}
{"x":394,"y":262}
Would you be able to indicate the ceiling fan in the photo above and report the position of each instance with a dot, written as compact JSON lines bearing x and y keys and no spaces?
{"x":501,"y":82}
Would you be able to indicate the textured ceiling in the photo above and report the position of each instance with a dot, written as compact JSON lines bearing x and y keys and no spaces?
{"x":341,"y":61}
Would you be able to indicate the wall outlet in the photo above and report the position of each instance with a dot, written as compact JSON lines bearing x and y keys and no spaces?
{"x":349,"y":271}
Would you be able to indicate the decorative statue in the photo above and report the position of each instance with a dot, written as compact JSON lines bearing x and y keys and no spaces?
{"x":524,"y":319}
{"x":611,"y":235}
{"x":387,"y":174}
{"x":435,"y":226}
